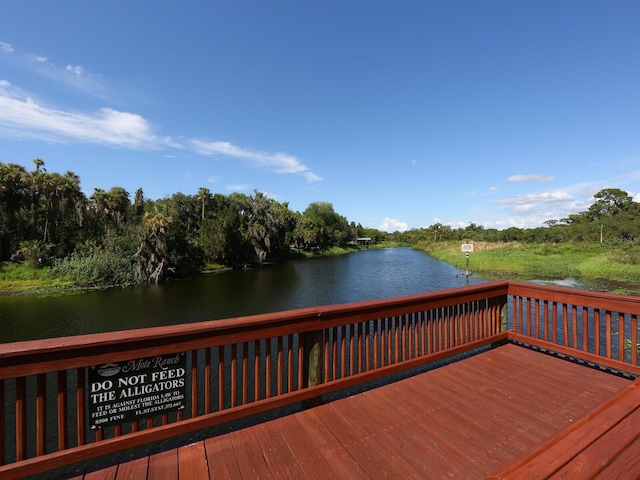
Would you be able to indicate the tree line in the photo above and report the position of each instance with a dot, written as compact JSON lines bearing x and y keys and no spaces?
{"x":109,"y":238}
{"x":612,"y":218}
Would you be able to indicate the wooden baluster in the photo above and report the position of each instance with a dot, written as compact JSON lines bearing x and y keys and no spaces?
{"x":290,"y":371}
{"x":41,"y":414}
{"x":326,"y":355}
{"x":574,"y":326}
{"x":234,"y":375}
{"x":565,"y":325}
{"x":245,"y":372}
{"x":585,"y":329}
{"x":401,"y":350}
{"x":554,"y":322}
{"x":596,"y":331}
{"x":634,"y":339}
{"x":383,"y":342}
{"x":194,"y":383}
{"x":343,"y":351}
{"x":80,"y":406}
{"x":376,"y":339}
{"x":221,"y":373}
{"x":448,"y":327}
{"x":422,"y":333}
{"x":301,"y":351}
{"x":352,"y":351}
{"x":21,"y":418}
{"x":536,"y":319}
{"x":363,"y":345}
{"x":391,"y":341}
{"x":207,"y":381}
{"x":267,"y":368}
{"x":279,"y":364}
{"x":415,"y":337}
{"x":608,"y":333}
{"x":256,"y":370}
{"x":621,"y":337}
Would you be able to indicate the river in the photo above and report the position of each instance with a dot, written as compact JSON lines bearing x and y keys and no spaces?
{"x":364,"y":275}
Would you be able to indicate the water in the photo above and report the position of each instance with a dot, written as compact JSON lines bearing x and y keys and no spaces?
{"x":365,"y":275}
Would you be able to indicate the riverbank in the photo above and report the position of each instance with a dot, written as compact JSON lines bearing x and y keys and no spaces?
{"x":603,"y":267}
{"x":20,"y":279}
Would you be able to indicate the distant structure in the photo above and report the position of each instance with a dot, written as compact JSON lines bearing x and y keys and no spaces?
{"x":364,"y":241}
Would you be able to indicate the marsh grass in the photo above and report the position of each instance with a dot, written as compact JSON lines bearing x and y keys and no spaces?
{"x":546,"y":261}
{"x":19,"y":278}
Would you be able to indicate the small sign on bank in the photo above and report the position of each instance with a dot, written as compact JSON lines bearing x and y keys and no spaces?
{"x":126,"y":391}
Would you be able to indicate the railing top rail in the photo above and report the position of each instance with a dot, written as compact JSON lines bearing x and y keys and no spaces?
{"x":103,"y":347}
{"x":572,"y":296}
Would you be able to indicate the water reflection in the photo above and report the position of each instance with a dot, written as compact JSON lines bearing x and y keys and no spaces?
{"x":364,"y":275}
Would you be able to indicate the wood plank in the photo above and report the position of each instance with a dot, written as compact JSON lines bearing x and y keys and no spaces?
{"x":133,"y":469}
{"x":276,"y":453}
{"x":221,"y":458}
{"x":164,"y":465}
{"x":625,"y":465}
{"x":550,"y":456}
{"x":372,"y":458}
{"x":603,"y":452}
{"x":192,"y":462}
{"x":380,"y":437}
{"x":324,"y":441}
{"x":108,"y":473}
{"x":249,"y":455}
{"x":310,"y":461}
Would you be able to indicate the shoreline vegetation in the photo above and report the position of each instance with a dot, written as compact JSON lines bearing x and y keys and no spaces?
{"x":18,"y":278}
{"x":54,"y":239}
{"x":601,"y":267}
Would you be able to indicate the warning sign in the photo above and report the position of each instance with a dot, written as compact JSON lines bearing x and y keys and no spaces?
{"x":127,"y":391}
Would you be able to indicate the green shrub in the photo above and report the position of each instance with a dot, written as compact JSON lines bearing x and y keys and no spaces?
{"x":97,"y":269}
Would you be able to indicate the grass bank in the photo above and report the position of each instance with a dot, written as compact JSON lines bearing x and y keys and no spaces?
{"x":614,"y":268}
{"x":20,"y":279}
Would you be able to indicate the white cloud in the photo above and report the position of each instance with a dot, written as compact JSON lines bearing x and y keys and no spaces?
{"x":25,"y":118}
{"x":545,"y":197}
{"x":5,"y":47}
{"x":77,"y":70}
{"x":238,"y":187}
{"x":530,"y":178}
{"x":279,"y":162}
{"x":393,"y":225}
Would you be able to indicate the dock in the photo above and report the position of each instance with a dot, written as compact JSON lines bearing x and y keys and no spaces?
{"x":499,"y":381}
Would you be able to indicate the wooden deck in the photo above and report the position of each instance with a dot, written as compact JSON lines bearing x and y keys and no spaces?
{"x":465,"y":420}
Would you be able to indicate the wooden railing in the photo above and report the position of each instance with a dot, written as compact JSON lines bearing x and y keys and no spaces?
{"x":595,"y":327}
{"x":232,"y":369}
{"x":228,"y":370}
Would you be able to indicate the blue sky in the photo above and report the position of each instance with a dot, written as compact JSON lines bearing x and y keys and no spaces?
{"x":400,"y":113}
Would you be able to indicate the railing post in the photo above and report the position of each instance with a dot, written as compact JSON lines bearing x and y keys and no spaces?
{"x":504,"y":313}
{"x":500,"y":308}
{"x":312,"y":365}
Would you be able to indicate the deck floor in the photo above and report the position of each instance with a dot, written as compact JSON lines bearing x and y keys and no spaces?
{"x":463,"y":420}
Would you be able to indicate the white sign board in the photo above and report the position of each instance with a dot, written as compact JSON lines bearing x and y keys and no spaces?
{"x":467,"y":247}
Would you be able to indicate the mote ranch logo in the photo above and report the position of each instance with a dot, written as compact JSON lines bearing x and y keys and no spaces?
{"x":127,"y":391}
